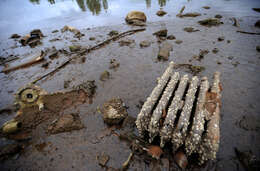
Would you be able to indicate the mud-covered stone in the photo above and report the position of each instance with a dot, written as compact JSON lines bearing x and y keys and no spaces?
{"x":161,"y":33}
{"x":164,"y":51}
{"x":209,"y":22}
{"x":135,"y":15}
{"x":161,"y":13}
{"x":145,"y":43}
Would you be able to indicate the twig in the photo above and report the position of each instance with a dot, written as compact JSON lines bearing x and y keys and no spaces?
{"x":84,"y":51}
{"x":245,"y":32}
{"x":126,"y":163}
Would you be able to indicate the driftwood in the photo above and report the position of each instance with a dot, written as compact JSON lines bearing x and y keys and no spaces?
{"x":87,"y":50}
{"x":246,"y":32}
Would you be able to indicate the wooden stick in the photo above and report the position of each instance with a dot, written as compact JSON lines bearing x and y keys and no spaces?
{"x":245,"y":32}
{"x":84,"y":51}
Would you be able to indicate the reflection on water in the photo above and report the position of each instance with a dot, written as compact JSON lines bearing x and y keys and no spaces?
{"x":95,"y":6}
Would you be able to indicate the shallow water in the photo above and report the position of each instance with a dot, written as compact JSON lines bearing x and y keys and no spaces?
{"x":21,"y":16}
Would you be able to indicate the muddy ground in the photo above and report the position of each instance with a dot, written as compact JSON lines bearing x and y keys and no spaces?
{"x":237,"y":60}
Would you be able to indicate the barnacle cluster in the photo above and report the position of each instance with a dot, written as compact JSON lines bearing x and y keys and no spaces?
{"x":184,"y":112}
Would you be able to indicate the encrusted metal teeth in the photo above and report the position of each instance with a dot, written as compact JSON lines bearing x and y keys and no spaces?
{"x":180,"y":131}
{"x":184,"y":113}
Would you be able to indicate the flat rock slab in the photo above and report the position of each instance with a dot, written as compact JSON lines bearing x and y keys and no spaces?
{"x":164,"y":51}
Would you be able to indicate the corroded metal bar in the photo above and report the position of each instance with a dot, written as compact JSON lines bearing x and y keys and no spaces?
{"x":194,"y":137}
{"x":168,"y":125}
{"x":180,"y":131}
{"x":143,"y":118}
{"x":154,"y":126}
{"x":210,"y":141}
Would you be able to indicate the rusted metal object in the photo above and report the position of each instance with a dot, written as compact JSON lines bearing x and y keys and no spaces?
{"x":183,"y":112}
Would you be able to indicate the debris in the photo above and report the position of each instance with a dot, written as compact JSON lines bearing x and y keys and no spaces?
{"x":171,"y":37}
{"x":161,"y":33}
{"x":206,"y":7}
{"x":76,"y":32}
{"x":249,"y":123}
{"x":103,"y":159}
{"x":55,"y":31}
{"x":257,"y":24}
{"x":154,"y":151}
{"x":104,"y":76}
{"x":75,"y":48}
{"x":92,"y":38}
{"x":246,"y":32}
{"x":126,"y":163}
{"x":114,"y":111}
{"x":145,"y":43}
{"x":113,"y":33}
{"x":236,"y":23}
{"x":15,"y":36}
{"x":9,"y":150}
{"x":8,"y":59}
{"x":181,"y":11}
{"x":181,"y":159}
{"x":45,"y":65}
{"x":221,"y":38}
{"x":190,"y":29}
{"x":33,"y":60}
{"x":129,"y":32}
{"x":66,"y":123}
{"x":258,"y":48}
{"x":190,"y":14}
{"x":164,"y":51}
{"x":218,"y":16}
{"x":113,"y":64}
{"x":126,"y":42}
{"x":88,"y":86}
{"x":54,"y":39}
{"x":256,"y":9}
{"x":135,"y":17}
{"x":11,"y":127}
{"x":215,"y":50}
{"x":33,"y":39}
{"x":178,"y":42}
{"x":54,"y":54}
{"x":210,"y":22}
{"x":161,"y":13}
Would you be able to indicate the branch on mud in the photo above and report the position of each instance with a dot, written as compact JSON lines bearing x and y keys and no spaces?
{"x":245,"y":32}
{"x":87,"y":50}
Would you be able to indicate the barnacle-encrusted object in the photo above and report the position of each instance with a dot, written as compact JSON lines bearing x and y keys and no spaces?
{"x":184,"y":112}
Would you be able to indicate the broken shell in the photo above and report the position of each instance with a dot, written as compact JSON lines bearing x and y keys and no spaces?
{"x":11,"y":126}
{"x":181,"y":159}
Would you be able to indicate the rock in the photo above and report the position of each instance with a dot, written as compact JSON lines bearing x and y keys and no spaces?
{"x":88,"y":86}
{"x":215,"y":50}
{"x":126,"y":42}
{"x":135,"y":16}
{"x":145,"y":43}
{"x":161,"y":13}
{"x":103,"y":159}
{"x":219,"y":63}
{"x":9,"y":150}
{"x":15,"y":36}
{"x":190,"y":14}
{"x":45,"y":65}
{"x":201,"y":54}
{"x":181,"y":159}
{"x":161,"y":33}
{"x":75,"y":48}
{"x":210,"y":22}
{"x":218,"y":16}
{"x":249,"y":123}
{"x":258,"y":48}
{"x":76,"y":32}
{"x":190,"y":29}
{"x":257,"y":24}
{"x":113,"y":33}
{"x":54,"y":54}
{"x":104,"y":76}
{"x":256,"y":9}
{"x":66,"y":83}
{"x":36,"y":33}
{"x":66,"y":123}
{"x":171,"y":37}
{"x":114,"y":111}
{"x":178,"y":41}
{"x":230,"y":57}
{"x":164,"y":51}
{"x":113,"y":64}
{"x":228,"y":41}
{"x":206,"y":7}
{"x":221,"y":38}
{"x":235,"y":63}
{"x":92,"y":38}
{"x":55,"y":31}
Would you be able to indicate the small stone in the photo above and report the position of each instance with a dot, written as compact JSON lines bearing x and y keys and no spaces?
{"x":75,"y":48}
{"x":210,"y":22}
{"x":218,"y":16}
{"x":92,"y":38}
{"x":215,"y":50}
{"x":114,"y":64}
{"x":190,"y":29}
{"x":55,"y":31}
{"x":171,"y":37}
{"x":161,"y":33}
{"x":221,"y":38}
{"x":206,"y":7}
{"x":66,"y":83}
{"x":161,"y":13}
{"x":126,"y":42}
{"x":135,"y":16}
{"x":45,"y":65}
{"x":235,"y":64}
{"x":178,"y":41}
{"x":164,"y":51}
{"x":230,"y":57}
{"x":104,"y":76}
{"x":257,"y":24}
{"x":228,"y":41}
{"x":190,"y":14}
{"x":103,"y":159}
{"x":145,"y":43}
{"x":113,"y":33}
{"x":219,"y":63}
{"x":258,"y":48}
{"x":15,"y":36}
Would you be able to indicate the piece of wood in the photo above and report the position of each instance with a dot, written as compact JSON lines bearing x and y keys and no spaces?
{"x":246,"y":32}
